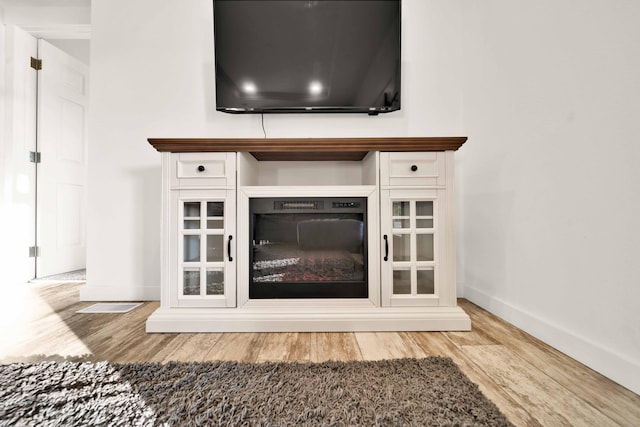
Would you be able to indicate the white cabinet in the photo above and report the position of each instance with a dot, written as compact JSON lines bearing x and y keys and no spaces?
{"x":417,"y":265}
{"x":202,"y":227}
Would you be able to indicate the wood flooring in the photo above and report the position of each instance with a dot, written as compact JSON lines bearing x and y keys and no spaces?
{"x":532,"y":383}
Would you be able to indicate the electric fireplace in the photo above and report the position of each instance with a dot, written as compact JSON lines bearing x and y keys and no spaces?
{"x":306,"y":236}
{"x":303,"y":247}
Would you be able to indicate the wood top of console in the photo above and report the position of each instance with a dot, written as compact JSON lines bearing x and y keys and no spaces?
{"x":312,"y":149}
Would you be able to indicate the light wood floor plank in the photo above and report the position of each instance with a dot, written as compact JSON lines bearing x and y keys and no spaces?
{"x":437,"y":344}
{"x":144,"y":349}
{"x":189,"y":348}
{"x":386,"y":345}
{"x":174,"y":345}
{"x":474,"y":337}
{"x":241,"y":347}
{"x":581,"y":380}
{"x":122,"y":334}
{"x":290,"y":347}
{"x":549,"y":402}
{"x":334,"y":346}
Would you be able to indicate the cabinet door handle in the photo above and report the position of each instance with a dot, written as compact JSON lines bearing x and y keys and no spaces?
{"x":201,"y":168}
{"x":229,"y":248}
{"x":414,"y":168}
{"x":386,"y":248}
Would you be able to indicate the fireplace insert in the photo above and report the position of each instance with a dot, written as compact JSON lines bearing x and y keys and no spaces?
{"x":306,"y":247}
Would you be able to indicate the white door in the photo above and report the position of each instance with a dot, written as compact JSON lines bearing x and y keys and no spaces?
{"x":61,"y":177}
{"x":17,"y":138}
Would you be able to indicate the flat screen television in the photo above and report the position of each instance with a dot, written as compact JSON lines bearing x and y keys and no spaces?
{"x":289,"y":56}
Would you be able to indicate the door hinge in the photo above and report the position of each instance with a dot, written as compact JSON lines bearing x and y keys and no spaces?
{"x":36,"y":63}
{"x":34,"y":251}
{"x":35,"y":157}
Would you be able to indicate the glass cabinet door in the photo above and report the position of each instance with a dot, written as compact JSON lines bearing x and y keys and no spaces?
{"x":205,"y":252}
{"x":410,"y":252}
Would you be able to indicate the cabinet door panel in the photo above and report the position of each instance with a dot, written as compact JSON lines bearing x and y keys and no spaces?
{"x":412,"y":220}
{"x":424,"y":247}
{"x":401,"y":281}
{"x":215,"y":250}
{"x":401,"y":247}
{"x":215,"y":282}
{"x":191,"y":248}
{"x":425,"y":282}
{"x":191,"y":281}
{"x":206,"y":273}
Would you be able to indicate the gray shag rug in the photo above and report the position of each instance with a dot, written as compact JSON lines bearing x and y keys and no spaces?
{"x":401,"y":392}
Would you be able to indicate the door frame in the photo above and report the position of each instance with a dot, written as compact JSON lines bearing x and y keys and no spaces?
{"x":10,"y":143}
{"x":48,"y":33}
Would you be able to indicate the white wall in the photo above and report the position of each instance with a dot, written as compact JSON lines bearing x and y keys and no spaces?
{"x":152,"y":75}
{"x":551,"y":184}
{"x":44,"y":15}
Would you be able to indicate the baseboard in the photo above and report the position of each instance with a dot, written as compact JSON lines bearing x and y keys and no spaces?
{"x":622,"y":370}
{"x":121,"y":293}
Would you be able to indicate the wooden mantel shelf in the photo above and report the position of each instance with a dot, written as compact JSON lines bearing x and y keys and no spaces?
{"x":306,"y":148}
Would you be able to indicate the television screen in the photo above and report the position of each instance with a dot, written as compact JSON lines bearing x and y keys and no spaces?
{"x":278,"y":56}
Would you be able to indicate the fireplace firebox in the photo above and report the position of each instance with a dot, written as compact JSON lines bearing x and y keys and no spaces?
{"x":303,"y":247}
